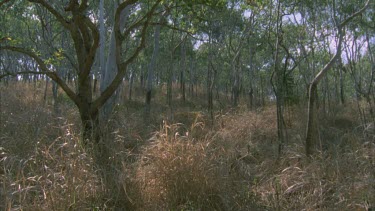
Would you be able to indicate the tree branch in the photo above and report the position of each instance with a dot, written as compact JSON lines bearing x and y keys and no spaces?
{"x":91,"y":54}
{"x":122,"y":67}
{"x":45,"y":70}
{"x":54,"y":12}
{"x":346,"y":21}
{"x":340,"y":27}
{"x":119,"y":10}
{"x":3,"y":2}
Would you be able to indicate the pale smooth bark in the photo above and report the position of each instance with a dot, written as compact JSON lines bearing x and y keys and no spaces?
{"x":311,"y":121}
{"x":110,"y":70}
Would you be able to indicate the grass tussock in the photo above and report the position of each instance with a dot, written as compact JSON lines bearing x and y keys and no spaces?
{"x":231,"y":165}
{"x":55,"y":176}
{"x":179,"y":172}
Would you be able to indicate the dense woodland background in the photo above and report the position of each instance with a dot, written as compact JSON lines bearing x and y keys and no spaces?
{"x":187,"y":105}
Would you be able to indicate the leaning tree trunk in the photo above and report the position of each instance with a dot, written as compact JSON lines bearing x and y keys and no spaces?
{"x":311,"y":121}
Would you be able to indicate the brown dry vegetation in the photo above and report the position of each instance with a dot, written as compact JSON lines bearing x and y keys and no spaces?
{"x":232,"y":165}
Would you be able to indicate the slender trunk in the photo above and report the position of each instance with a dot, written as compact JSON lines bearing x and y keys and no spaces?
{"x":209,"y":92}
{"x":151,"y":73}
{"x":45,"y":90}
{"x":311,"y":122}
{"x":325,"y":95}
{"x":236,"y":80}
{"x":183,"y":69}
{"x":251,"y":98}
{"x":210,"y":82}
{"x":278,"y":87}
{"x":251,"y":78}
{"x":55,"y":97}
{"x":191,"y":80}
{"x":131,"y":85}
{"x":342,"y":95}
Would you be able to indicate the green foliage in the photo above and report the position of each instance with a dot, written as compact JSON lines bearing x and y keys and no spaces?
{"x":291,"y":97}
{"x":210,"y":3}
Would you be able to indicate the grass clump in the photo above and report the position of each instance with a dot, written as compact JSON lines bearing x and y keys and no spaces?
{"x":55,"y":176}
{"x":178,"y":172}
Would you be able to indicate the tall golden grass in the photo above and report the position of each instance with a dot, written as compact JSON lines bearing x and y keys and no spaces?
{"x":232,"y":165}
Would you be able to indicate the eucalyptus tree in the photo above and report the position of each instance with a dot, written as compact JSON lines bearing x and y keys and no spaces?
{"x":151,"y":69}
{"x":280,"y":60}
{"x":79,"y":27}
{"x":359,"y":57}
{"x":22,"y":28}
{"x":340,"y":23}
{"x":108,"y":66}
{"x":84,"y":36}
{"x":237,"y":34}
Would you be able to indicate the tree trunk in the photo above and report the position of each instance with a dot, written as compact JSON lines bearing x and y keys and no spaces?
{"x":251,"y":98}
{"x":131,"y":85}
{"x":150,"y":76}
{"x":311,"y":122}
{"x":342,"y":94}
{"x":236,"y":80}
{"x":278,"y":87}
{"x":110,"y":69}
{"x":90,"y":125}
{"x":191,"y":80}
{"x":210,"y":105}
{"x":310,"y":135}
{"x":183,"y":69}
{"x":55,"y":87}
{"x":45,"y":90}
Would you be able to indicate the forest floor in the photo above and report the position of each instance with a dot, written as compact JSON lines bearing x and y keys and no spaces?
{"x":186,"y":163}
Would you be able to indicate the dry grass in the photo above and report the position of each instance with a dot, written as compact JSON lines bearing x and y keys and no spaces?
{"x":179,"y":172}
{"x":42,"y":165}
{"x":232,"y":165}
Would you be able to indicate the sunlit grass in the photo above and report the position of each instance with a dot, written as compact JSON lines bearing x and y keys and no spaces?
{"x":231,"y":165}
